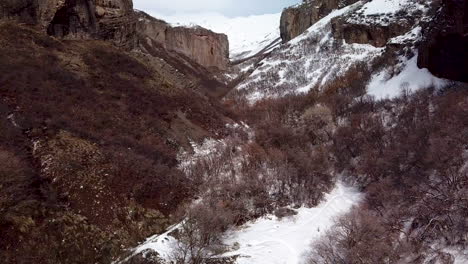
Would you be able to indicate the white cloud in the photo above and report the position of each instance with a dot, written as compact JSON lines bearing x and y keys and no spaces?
{"x":226,"y":7}
{"x":184,"y":5}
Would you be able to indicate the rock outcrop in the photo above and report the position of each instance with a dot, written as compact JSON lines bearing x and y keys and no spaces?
{"x":77,"y":19}
{"x":444,"y":50}
{"x":297,"y":19}
{"x":375,"y":34}
{"x":116,"y":21}
{"x":205,"y":47}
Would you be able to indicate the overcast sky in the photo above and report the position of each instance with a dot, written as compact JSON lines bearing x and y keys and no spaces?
{"x":226,"y":7}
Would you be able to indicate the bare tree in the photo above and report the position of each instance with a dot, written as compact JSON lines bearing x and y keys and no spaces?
{"x":200,"y":233}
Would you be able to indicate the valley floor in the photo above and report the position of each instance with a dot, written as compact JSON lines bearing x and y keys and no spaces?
{"x":271,"y":240}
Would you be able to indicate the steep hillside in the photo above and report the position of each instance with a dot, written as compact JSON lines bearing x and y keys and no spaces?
{"x":344,"y":101}
{"x":118,"y":143}
{"x":378,"y":40}
{"x":90,"y":134}
{"x":247,"y":35}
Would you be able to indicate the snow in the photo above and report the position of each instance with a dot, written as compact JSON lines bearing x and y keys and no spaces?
{"x":382,"y":12}
{"x":247,"y":35}
{"x":382,"y":85}
{"x":319,"y":25}
{"x":209,"y":148}
{"x":460,"y":256}
{"x":384,"y":6}
{"x":162,"y":244}
{"x":411,"y":36}
{"x":270,"y":240}
{"x":308,"y":61}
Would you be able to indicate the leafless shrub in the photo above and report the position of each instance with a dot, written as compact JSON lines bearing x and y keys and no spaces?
{"x":199,"y":234}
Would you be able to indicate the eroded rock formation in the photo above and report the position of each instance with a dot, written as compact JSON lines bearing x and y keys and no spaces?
{"x":297,"y":19}
{"x":445,"y":47}
{"x":374,"y":34}
{"x":77,"y":19}
{"x":116,"y":21}
{"x":205,"y":47}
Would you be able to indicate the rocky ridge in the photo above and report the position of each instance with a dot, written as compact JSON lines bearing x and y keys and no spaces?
{"x":116,"y":21}
{"x":297,"y":19}
{"x":378,"y":38}
{"x":202,"y":45}
{"x":444,"y":50}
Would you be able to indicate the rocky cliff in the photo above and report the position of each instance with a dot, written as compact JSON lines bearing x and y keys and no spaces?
{"x":92,"y":134}
{"x":444,"y":50}
{"x":205,"y":47}
{"x":77,"y":19}
{"x":116,"y":21}
{"x":297,"y":19}
{"x":376,"y":34}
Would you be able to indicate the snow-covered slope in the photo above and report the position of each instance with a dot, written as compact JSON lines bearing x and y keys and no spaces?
{"x":321,"y":54}
{"x":247,"y":35}
{"x":270,"y":240}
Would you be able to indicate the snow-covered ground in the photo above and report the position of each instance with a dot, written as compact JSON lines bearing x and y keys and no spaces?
{"x":412,"y":78}
{"x":317,"y":57}
{"x":270,"y":240}
{"x":247,"y":35}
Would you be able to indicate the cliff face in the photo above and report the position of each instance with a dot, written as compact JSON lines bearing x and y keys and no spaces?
{"x":376,"y":35}
{"x":72,"y":118}
{"x":444,"y":50}
{"x":205,"y":47}
{"x":77,"y":19}
{"x":116,"y":21}
{"x":297,"y":19}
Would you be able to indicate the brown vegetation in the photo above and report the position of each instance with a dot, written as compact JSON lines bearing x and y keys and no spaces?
{"x":88,"y":143}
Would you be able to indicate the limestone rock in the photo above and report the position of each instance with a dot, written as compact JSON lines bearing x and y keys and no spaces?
{"x":444,"y":50}
{"x":116,"y":21}
{"x":203,"y":46}
{"x":77,"y":19}
{"x":297,"y":19}
{"x":374,"y":34}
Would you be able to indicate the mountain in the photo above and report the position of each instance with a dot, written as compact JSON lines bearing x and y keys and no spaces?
{"x":93,"y":113}
{"x":334,"y":132}
{"x":247,"y":35}
{"x":349,"y":95}
{"x":377,"y":40}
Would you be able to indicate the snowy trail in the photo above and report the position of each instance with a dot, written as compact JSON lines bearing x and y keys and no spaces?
{"x":269,"y":240}
{"x":273,"y":241}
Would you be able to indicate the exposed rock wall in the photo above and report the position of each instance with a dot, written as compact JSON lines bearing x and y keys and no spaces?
{"x":205,"y":47}
{"x":444,"y":50}
{"x":297,"y":19}
{"x":376,"y":35}
{"x":116,"y":21}
{"x":77,"y":19}
{"x":30,"y":11}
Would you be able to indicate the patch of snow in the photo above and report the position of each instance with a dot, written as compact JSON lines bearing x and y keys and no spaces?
{"x":383,"y":85}
{"x":413,"y":35}
{"x":209,"y":147}
{"x":308,"y":61}
{"x":270,"y":240}
{"x":315,"y":28}
{"x":163,"y":244}
{"x":460,"y":256}
{"x":376,"y":7}
{"x":247,"y":35}
{"x":273,"y":241}
{"x":384,"y":12}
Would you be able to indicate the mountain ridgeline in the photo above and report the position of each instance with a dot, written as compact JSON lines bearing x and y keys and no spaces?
{"x":443,"y":50}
